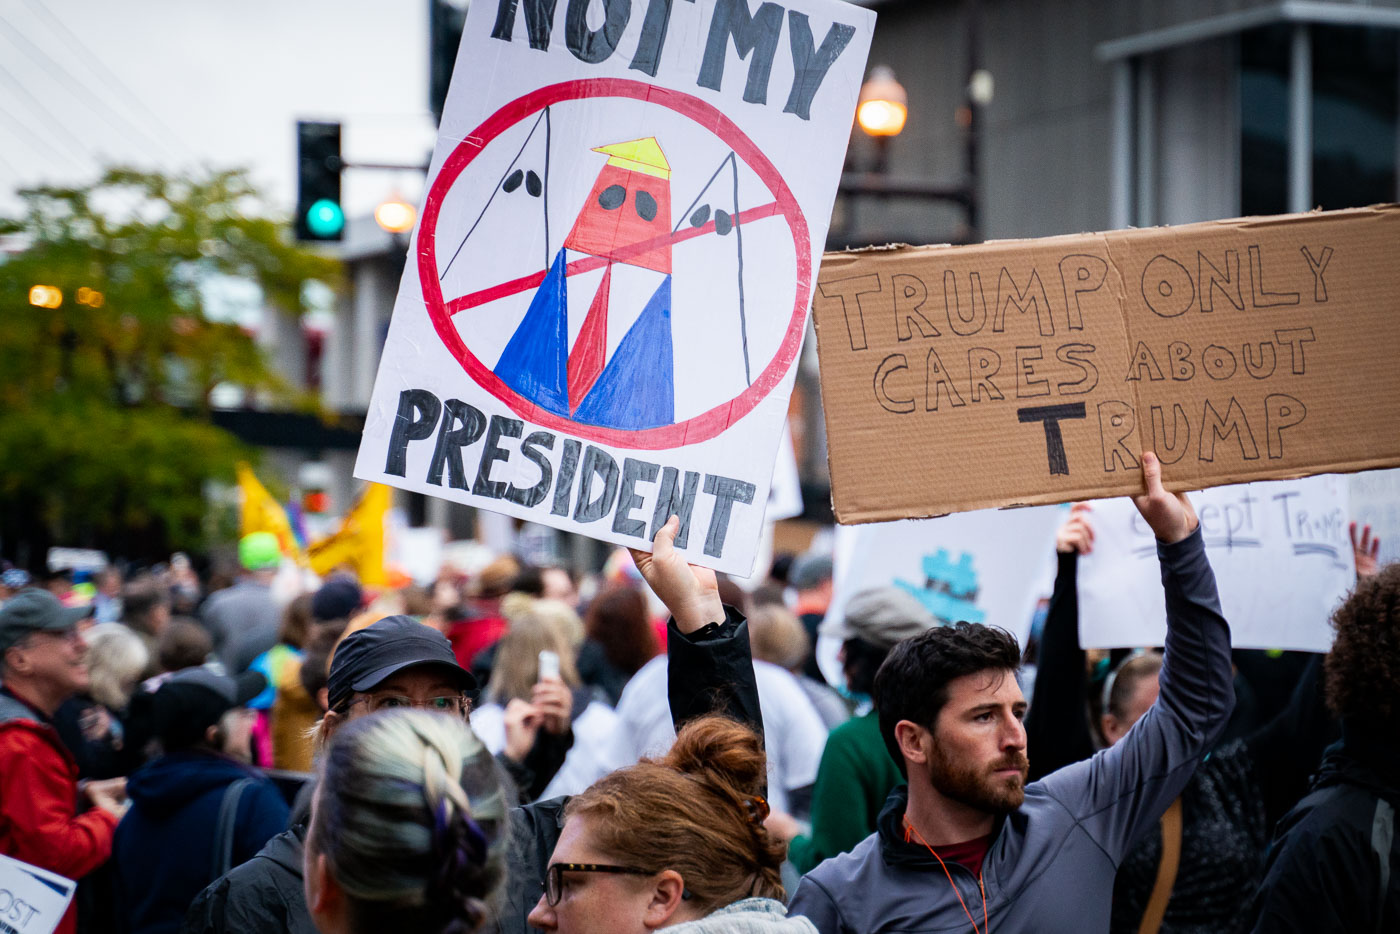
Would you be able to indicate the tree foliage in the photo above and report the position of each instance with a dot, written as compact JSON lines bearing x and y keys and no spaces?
{"x":105,"y":434}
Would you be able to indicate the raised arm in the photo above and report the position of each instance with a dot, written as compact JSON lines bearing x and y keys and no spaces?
{"x":1057,"y":726}
{"x":710,"y":665}
{"x":1124,"y":789}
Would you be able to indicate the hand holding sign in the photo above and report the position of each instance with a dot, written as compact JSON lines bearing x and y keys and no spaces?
{"x":1076,"y":535}
{"x":1366,"y":550}
{"x":691,"y":593}
{"x":1170,"y":515}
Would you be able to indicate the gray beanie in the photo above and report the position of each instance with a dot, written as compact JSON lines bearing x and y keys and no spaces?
{"x":882,"y":616}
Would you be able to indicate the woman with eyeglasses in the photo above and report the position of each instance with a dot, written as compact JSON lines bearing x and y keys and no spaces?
{"x":676,"y":842}
{"x":408,"y":828}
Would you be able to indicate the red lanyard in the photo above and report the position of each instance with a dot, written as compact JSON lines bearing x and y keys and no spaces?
{"x":986,"y":925}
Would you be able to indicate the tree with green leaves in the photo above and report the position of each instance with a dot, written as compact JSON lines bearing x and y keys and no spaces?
{"x":109,"y":368}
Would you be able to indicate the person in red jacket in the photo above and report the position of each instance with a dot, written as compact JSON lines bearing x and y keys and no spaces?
{"x":41,"y":666}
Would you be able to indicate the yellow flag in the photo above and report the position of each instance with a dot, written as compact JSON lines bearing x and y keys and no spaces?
{"x":260,"y":512}
{"x":359,"y":542}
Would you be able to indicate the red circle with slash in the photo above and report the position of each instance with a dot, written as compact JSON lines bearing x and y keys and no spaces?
{"x":693,"y":430}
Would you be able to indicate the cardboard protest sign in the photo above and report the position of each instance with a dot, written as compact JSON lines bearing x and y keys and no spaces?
{"x":1280,"y":551}
{"x":611,"y":273}
{"x":987,"y":567}
{"x":1037,"y":371}
{"x":32,"y":900}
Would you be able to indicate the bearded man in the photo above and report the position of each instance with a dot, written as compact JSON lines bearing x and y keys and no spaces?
{"x":967,"y":843}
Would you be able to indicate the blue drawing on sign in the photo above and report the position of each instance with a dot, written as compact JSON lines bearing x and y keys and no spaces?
{"x":949,"y":590}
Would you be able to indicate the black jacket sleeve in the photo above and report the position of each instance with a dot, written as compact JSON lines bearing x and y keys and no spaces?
{"x":711,"y":671}
{"x":1057,"y":725}
{"x":1287,"y":749}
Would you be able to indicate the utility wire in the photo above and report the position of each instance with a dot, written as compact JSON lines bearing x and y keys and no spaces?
{"x":53,"y":126}
{"x":110,"y":79}
{"x":41,"y":146}
{"x":80,"y":91}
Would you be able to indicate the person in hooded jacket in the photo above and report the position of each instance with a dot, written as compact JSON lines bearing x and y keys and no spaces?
{"x":1334,"y":864}
{"x":196,"y":810}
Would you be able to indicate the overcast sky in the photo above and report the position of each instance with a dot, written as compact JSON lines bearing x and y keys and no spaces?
{"x":171,"y":83}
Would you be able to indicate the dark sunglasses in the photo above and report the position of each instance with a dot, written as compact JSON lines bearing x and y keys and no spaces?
{"x":554,"y":884}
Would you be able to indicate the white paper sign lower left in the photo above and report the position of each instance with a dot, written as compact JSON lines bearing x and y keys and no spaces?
{"x":32,"y":900}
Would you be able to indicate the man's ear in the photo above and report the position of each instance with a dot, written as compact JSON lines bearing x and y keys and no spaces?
{"x":910,"y":737}
{"x":666,"y":899}
{"x":323,"y":699}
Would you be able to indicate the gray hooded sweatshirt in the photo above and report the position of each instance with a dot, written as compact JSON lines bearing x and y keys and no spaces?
{"x":1051,"y":863}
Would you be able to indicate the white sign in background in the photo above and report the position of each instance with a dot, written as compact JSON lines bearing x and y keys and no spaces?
{"x":32,"y":900}
{"x":607,"y":291}
{"x":1281,"y":554}
{"x":988,"y":566}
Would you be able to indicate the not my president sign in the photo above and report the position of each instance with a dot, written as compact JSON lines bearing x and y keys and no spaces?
{"x":608,"y":287}
{"x":1037,"y":371}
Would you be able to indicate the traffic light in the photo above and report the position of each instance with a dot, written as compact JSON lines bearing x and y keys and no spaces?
{"x":445,"y":21}
{"x":319,"y":213}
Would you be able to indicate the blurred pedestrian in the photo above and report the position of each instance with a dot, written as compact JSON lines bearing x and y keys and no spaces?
{"x":146,"y":609}
{"x":42,"y":664}
{"x":779,"y":638}
{"x":243,"y":619}
{"x":93,"y":722}
{"x":575,"y":728}
{"x":810,"y":576}
{"x":107,"y":595}
{"x":198,"y":809}
{"x":478,"y":622}
{"x":1334,"y":864}
{"x":182,"y":644}
{"x":408,"y":828}
{"x":857,"y":772}
{"x":279,"y":665}
{"x":618,"y":639}
{"x":675,"y":843}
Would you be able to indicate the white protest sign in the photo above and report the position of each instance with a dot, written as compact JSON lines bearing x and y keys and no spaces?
{"x":785,"y":496}
{"x":32,"y":900}
{"x":611,"y":274}
{"x":1280,"y":552}
{"x":988,"y":566}
{"x":1375,"y":501}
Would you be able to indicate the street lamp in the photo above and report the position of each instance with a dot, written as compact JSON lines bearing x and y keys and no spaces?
{"x":882,"y":111}
{"x":395,"y":215}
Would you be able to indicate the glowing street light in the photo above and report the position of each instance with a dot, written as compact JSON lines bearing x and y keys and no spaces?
{"x":395,"y":215}
{"x":90,"y":297}
{"x":884,"y":104}
{"x":45,"y":296}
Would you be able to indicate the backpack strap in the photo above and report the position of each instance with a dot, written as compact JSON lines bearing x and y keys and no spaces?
{"x":224,"y":831}
{"x":1166,"y":871}
{"x":1382,"y":839}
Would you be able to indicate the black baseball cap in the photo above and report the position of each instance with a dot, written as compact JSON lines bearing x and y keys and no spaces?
{"x":194,"y":699}
{"x":371,"y":655}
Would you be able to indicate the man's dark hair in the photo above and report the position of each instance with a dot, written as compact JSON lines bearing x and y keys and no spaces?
{"x":1363,"y":668}
{"x":139,"y":598}
{"x":912,"y":684}
{"x":862,"y":664}
{"x":183,"y":644}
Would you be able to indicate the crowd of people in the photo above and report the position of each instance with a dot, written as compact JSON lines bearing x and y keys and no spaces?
{"x":515,"y":749}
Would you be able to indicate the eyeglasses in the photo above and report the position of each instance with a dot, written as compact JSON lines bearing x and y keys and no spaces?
{"x":554,"y":883}
{"x":447,"y":703}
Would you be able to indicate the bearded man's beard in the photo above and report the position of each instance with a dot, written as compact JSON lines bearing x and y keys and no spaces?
{"x":980,"y":787}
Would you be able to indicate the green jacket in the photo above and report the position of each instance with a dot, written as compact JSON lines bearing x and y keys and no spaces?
{"x":855,"y":776}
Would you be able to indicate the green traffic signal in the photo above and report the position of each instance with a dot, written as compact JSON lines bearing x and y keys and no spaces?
{"x":325,"y":218}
